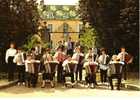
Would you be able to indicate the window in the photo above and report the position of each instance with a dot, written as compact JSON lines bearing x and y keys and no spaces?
{"x":80,"y":27}
{"x":50,"y":27}
{"x":65,"y":28}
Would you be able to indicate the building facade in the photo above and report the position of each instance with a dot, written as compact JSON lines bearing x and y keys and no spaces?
{"x":62,"y":22}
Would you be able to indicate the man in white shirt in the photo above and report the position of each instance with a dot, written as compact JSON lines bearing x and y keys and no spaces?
{"x":121,"y":57}
{"x":103,"y":64}
{"x":79,"y":57}
{"x":10,"y":53}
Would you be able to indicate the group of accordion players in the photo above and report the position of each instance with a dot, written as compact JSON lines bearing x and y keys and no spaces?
{"x":31,"y":65}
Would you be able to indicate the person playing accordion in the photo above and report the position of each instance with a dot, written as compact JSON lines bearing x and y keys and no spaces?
{"x":60,"y":57}
{"x":49,"y":68}
{"x":115,"y":70}
{"x":92,"y":54}
{"x":69,"y":67}
{"x":90,"y":67}
{"x":123,"y":56}
{"x":31,"y":76}
{"x":103,"y":65}
{"x":79,"y":57}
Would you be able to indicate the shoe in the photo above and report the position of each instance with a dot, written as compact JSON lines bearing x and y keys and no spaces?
{"x":23,"y":83}
{"x":92,"y":86}
{"x":18,"y":84}
{"x":87,"y":86}
{"x":52,"y":85}
{"x":42,"y":86}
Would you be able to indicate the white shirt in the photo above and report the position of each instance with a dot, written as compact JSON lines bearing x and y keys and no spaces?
{"x":10,"y":53}
{"x":76,"y":56}
{"x":102,"y":60}
{"x":19,"y":59}
{"x":121,"y":56}
{"x":87,"y":57}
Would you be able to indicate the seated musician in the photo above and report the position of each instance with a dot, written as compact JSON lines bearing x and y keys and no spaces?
{"x":67,"y":69}
{"x":47,"y":69}
{"x":79,"y":57}
{"x":60,"y":57}
{"x":30,"y":71}
{"x":115,"y":71}
{"x":90,"y":67}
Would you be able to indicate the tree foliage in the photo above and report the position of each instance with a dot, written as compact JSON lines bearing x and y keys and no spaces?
{"x":88,"y":39}
{"x":18,"y":20}
{"x":116,"y":22}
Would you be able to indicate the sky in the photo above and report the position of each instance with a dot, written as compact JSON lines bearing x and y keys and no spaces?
{"x":61,"y":2}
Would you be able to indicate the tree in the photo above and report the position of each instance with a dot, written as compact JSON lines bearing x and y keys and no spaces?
{"x":88,"y":39}
{"x":18,"y":20}
{"x":116,"y":22}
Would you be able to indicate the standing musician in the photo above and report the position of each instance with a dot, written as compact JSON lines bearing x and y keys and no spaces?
{"x":31,"y":76}
{"x":60,"y":57}
{"x":79,"y":57}
{"x":115,"y":71}
{"x":103,"y":64}
{"x":19,"y":60}
{"x":123,"y":56}
{"x":10,"y":53}
{"x":90,"y":67}
{"x":47,"y":57}
{"x":92,"y":54}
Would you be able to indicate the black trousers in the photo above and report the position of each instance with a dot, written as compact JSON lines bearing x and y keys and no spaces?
{"x":70,"y":52}
{"x":79,"y":72}
{"x":11,"y":69}
{"x":70,"y":75}
{"x":119,"y":77}
{"x":21,"y":73}
{"x":48,"y":76}
{"x":91,"y":78}
{"x":103,"y":75}
{"x":125,"y":71}
{"x":31,"y":79}
{"x":59,"y":73}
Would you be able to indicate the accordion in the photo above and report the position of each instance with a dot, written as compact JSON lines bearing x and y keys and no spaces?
{"x":72,"y":66}
{"x":115,"y":68}
{"x":61,"y":57}
{"x":50,"y":66}
{"x":128,"y":58}
{"x":93,"y":67}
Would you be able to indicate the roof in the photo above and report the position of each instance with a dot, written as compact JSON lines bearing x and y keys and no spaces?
{"x":59,"y":12}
